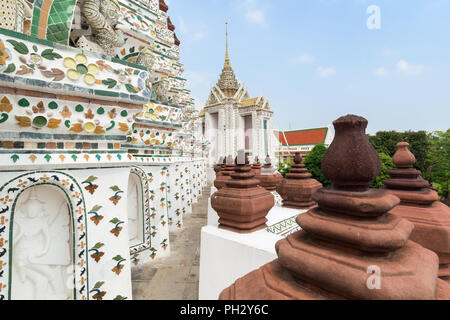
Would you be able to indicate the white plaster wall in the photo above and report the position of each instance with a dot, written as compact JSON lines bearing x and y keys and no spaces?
{"x":213,"y":218}
{"x":226,"y":256}
{"x":102,"y":253}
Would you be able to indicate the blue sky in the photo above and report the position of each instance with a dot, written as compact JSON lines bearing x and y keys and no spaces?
{"x":316,"y":60}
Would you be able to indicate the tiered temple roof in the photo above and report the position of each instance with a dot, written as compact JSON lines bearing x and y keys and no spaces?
{"x":227,"y":81}
{"x":228,"y":87}
{"x":302,"y":137}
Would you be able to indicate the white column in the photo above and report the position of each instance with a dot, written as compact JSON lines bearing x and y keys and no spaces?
{"x":270,"y":137}
{"x":255,"y":134}
{"x":240,"y":131}
{"x":221,"y":134}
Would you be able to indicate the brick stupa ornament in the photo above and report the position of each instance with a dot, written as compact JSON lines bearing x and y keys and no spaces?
{"x":256,"y":166}
{"x":242,"y":206}
{"x":225,"y":174}
{"x":298,"y":186}
{"x":218,"y":166}
{"x":269,"y":178}
{"x":350,"y":247}
{"x":419,"y":204}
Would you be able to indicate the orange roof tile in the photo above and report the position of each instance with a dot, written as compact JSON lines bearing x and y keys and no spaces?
{"x":302,"y":137}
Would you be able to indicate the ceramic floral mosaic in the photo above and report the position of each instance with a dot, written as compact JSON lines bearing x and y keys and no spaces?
{"x":82,"y":113}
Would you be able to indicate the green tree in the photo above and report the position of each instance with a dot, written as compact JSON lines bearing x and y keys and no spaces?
{"x":386,"y":141}
{"x":419,"y":144}
{"x":284,"y":166}
{"x":386,"y":165}
{"x":313,"y":161}
{"x":439,"y":161}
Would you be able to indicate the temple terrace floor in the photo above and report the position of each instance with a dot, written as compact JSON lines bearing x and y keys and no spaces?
{"x":175,"y":277}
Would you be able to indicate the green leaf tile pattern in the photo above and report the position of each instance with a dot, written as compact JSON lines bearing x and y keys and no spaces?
{"x":60,"y":21}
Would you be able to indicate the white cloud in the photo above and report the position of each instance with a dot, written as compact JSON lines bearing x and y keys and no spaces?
{"x":381,"y":72}
{"x":188,"y":31}
{"x":254,"y":11}
{"x":363,"y":2}
{"x":199,"y":35}
{"x":387,"y":52}
{"x":183,"y":26}
{"x":256,"y":16}
{"x":305,"y":58}
{"x":326,"y":72}
{"x":405,"y":68}
{"x":199,"y":83}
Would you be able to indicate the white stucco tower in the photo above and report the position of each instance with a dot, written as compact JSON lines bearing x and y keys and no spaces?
{"x":233,"y":120}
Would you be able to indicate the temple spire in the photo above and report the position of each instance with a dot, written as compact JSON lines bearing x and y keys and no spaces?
{"x":227,"y":55}
{"x":227,"y":81}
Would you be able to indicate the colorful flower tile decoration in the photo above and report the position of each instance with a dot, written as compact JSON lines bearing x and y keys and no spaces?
{"x":76,"y":117}
{"x":150,"y":137}
{"x":78,"y":67}
{"x":33,"y":59}
{"x":5,"y":57}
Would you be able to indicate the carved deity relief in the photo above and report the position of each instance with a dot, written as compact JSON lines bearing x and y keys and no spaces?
{"x":134,"y":211}
{"x":162,"y":89}
{"x":42,"y":266}
{"x":176,"y":99}
{"x":102,"y":17}
{"x":147,"y":58}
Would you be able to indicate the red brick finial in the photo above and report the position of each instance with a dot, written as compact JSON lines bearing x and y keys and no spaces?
{"x":348,"y":235}
{"x":403,"y":158}
{"x":269,"y":178}
{"x":218,"y":166}
{"x":225,"y":174}
{"x":405,"y":177}
{"x":242,"y":205}
{"x":256,"y":166}
{"x":298,"y":158}
{"x":351,"y":162}
{"x":298,"y":186}
{"x":419,"y":204}
{"x":267,"y":161}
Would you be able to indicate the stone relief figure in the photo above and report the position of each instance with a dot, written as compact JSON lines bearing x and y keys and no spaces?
{"x":146,"y":58}
{"x":103,"y":17}
{"x":176,"y":99}
{"x":162,"y":88}
{"x":16,"y":15}
{"x":42,"y":268}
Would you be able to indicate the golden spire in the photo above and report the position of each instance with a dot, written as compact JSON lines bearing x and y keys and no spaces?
{"x":227,"y":81}
{"x":227,"y":56}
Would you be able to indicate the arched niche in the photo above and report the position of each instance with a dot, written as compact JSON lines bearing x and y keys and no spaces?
{"x":42,"y":246}
{"x":136,"y":228}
